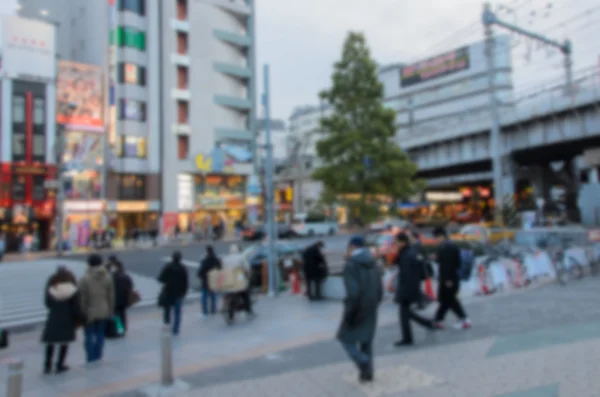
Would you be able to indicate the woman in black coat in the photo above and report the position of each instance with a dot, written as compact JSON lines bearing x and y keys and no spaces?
{"x":64,"y":315}
{"x":123,"y":289}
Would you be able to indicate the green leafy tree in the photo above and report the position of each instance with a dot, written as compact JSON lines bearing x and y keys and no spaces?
{"x":359,"y":154}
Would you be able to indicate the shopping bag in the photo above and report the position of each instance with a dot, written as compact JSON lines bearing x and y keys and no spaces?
{"x":3,"y":339}
{"x":134,"y":297}
{"x":390,"y":278}
{"x":119,"y":325}
{"x":114,"y":328}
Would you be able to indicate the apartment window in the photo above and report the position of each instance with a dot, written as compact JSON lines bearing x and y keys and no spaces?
{"x":18,"y":146}
{"x":125,"y":36}
{"x":182,"y":77}
{"x":135,"y":6}
{"x":39,"y":111}
{"x":182,"y":43}
{"x":183,"y":147}
{"x":130,"y":73}
{"x":132,"y":187}
{"x":182,"y":9}
{"x":132,"y":110}
{"x":132,"y":147}
{"x":18,"y":187}
{"x":39,"y":130}
{"x":18,"y":109}
{"x":182,"y":112}
{"x":39,"y":148}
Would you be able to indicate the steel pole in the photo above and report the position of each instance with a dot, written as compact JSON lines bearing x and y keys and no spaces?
{"x":105,"y":113}
{"x":166,"y":356}
{"x":568,"y":68}
{"x":14,"y":383}
{"x":496,"y":148}
{"x":272,"y":255}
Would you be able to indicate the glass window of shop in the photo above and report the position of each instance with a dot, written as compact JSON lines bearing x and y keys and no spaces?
{"x":132,"y":187}
{"x":132,"y":147}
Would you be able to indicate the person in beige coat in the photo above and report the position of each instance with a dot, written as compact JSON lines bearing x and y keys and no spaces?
{"x":234,"y":260}
{"x":97,"y":296}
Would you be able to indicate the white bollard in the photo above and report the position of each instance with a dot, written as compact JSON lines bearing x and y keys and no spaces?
{"x":166,"y":352}
{"x":14,"y":383}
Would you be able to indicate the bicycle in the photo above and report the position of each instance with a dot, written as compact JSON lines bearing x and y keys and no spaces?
{"x":567,"y":267}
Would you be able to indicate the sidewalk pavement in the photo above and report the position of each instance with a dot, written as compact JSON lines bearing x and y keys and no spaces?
{"x":289,"y":327}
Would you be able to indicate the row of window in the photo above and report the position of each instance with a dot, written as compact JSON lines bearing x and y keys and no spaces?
{"x":132,"y":110}
{"x":19,"y":187}
{"x":19,"y":139}
{"x":131,"y":187}
{"x":18,"y":110}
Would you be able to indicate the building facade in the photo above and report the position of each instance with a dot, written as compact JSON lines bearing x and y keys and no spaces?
{"x":28,"y":132}
{"x":156,"y":54}
{"x":435,"y":99}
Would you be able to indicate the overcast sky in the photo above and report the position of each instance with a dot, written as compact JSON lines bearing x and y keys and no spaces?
{"x":302,"y":39}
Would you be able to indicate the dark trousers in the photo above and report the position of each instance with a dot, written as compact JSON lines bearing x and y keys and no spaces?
{"x":94,"y":340}
{"x":242,"y":298}
{"x":406,"y":315}
{"x":448,"y":299}
{"x":313,"y":288}
{"x":176,"y":308}
{"x":362,"y":355}
{"x":208,"y":295}
{"x":121,"y":312}
{"x":62,"y":355}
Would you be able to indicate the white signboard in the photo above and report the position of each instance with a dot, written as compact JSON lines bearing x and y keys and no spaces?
{"x":28,"y":49}
{"x":185,"y":197}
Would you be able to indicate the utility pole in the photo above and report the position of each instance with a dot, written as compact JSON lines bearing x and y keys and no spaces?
{"x":489,"y":19}
{"x":270,"y":209}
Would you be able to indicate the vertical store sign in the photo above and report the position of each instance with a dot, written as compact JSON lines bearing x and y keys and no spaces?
{"x":112,"y":71}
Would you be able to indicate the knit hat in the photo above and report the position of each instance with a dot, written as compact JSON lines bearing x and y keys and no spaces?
{"x":94,"y":260}
{"x":356,"y":241}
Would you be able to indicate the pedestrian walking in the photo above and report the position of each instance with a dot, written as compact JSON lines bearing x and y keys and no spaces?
{"x":315,"y":269}
{"x":237,"y":260}
{"x":449,"y":261}
{"x":97,"y":295}
{"x":408,"y":289}
{"x":210,"y":262}
{"x":64,"y":315}
{"x":364,"y":293}
{"x":174,"y":280}
{"x":124,"y":289}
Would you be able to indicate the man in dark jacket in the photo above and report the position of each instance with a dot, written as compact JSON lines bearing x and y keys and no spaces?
{"x":315,"y":269}
{"x":408,"y":290}
{"x":364,"y":293}
{"x":174,"y":278}
{"x":449,"y":259}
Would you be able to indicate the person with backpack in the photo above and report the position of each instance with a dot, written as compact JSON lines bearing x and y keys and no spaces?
{"x":210,"y":262}
{"x":449,"y":261}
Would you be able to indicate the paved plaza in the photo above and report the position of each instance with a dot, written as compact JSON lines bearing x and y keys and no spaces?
{"x":541,"y":342}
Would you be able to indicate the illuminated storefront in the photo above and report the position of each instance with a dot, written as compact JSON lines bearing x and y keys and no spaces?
{"x":81,"y":218}
{"x":129,"y":216}
{"x":219,"y":197}
{"x":284,"y":203}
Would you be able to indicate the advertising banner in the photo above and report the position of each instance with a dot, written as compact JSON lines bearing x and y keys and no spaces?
{"x":80,"y":85}
{"x":28,"y":49}
{"x":434,"y":68}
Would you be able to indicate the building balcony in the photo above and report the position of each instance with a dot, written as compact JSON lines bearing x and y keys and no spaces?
{"x":180,"y":26}
{"x":237,"y":7}
{"x":233,"y":135}
{"x":179,"y":59}
{"x":233,"y":70}
{"x":181,"y":94}
{"x":238,"y":40}
{"x":232,"y":102}
{"x":181,"y":129}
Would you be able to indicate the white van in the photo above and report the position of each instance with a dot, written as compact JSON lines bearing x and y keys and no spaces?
{"x":310,"y":225}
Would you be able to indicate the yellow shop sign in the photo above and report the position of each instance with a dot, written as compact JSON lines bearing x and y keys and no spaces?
{"x":204,"y":163}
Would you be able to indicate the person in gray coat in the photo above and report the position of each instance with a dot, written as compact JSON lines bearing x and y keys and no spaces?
{"x":364,"y":292}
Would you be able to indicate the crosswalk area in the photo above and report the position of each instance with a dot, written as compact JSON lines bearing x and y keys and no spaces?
{"x":22,"y":289}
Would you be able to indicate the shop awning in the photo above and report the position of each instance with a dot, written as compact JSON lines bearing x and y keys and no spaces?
{"x":238,"y":154}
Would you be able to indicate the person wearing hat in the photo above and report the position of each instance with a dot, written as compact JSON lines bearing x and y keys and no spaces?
{"x":408,"y":289}
{"x":364,"y":292}
{"x":97,"y":294}
{"x":174,"y":280}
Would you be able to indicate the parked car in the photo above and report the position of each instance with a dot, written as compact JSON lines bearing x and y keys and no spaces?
{"x":311,"y":225}
{"x":259,"y":232}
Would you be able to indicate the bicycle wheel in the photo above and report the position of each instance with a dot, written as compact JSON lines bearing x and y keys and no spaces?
{"x":576,"y":270}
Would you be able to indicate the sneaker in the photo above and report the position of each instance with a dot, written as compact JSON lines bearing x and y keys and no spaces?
{"x":437,"y":326}
{"x":403,"y":343}
{"x":465,"y":324}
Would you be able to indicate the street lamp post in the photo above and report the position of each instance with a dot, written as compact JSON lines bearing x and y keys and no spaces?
{"x":60,"y":196}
